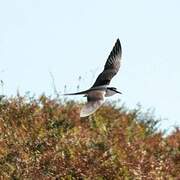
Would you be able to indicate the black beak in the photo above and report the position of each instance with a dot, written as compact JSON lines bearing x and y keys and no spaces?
{"x":118,"y":92}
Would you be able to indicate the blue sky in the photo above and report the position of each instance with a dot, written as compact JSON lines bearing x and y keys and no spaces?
{"x":74,"y":38}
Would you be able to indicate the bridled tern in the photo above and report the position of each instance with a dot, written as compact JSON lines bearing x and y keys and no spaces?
{"x":100,"y":89}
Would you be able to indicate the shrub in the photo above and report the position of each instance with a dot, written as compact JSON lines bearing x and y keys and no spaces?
{"x":46,"y":139}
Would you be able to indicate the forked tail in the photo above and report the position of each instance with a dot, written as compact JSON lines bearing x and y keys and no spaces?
{"x":78,"y":93}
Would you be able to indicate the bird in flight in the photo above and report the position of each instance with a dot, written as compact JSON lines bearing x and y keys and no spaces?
{"x":100,"y":89}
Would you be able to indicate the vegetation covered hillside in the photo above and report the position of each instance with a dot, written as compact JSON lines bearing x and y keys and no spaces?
{"x":45,"y":139}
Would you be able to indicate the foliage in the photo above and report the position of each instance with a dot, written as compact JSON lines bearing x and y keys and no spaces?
{"x":45,"y":138}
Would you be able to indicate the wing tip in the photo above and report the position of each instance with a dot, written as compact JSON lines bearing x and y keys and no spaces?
{"x":117,"y":50}
{"x":118,"y":43}
{"x":117,"y":47}
{"x":83,"y":115}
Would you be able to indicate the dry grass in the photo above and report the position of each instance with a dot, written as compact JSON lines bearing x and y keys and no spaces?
{"x":45,"y":139}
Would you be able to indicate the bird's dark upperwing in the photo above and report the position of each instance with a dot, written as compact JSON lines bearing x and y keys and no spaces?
{"x":111,"y":67}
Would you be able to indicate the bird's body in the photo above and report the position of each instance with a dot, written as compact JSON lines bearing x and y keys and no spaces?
{"x":97,"y":93}
{"x":107,"y":91}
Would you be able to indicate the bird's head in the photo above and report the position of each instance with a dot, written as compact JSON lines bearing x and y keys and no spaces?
{"x":115,"y":90}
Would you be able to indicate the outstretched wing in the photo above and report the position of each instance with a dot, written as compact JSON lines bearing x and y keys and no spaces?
{"x":95,"y":100}
{"x":111,"y":67}
{"x":90,"y":107}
